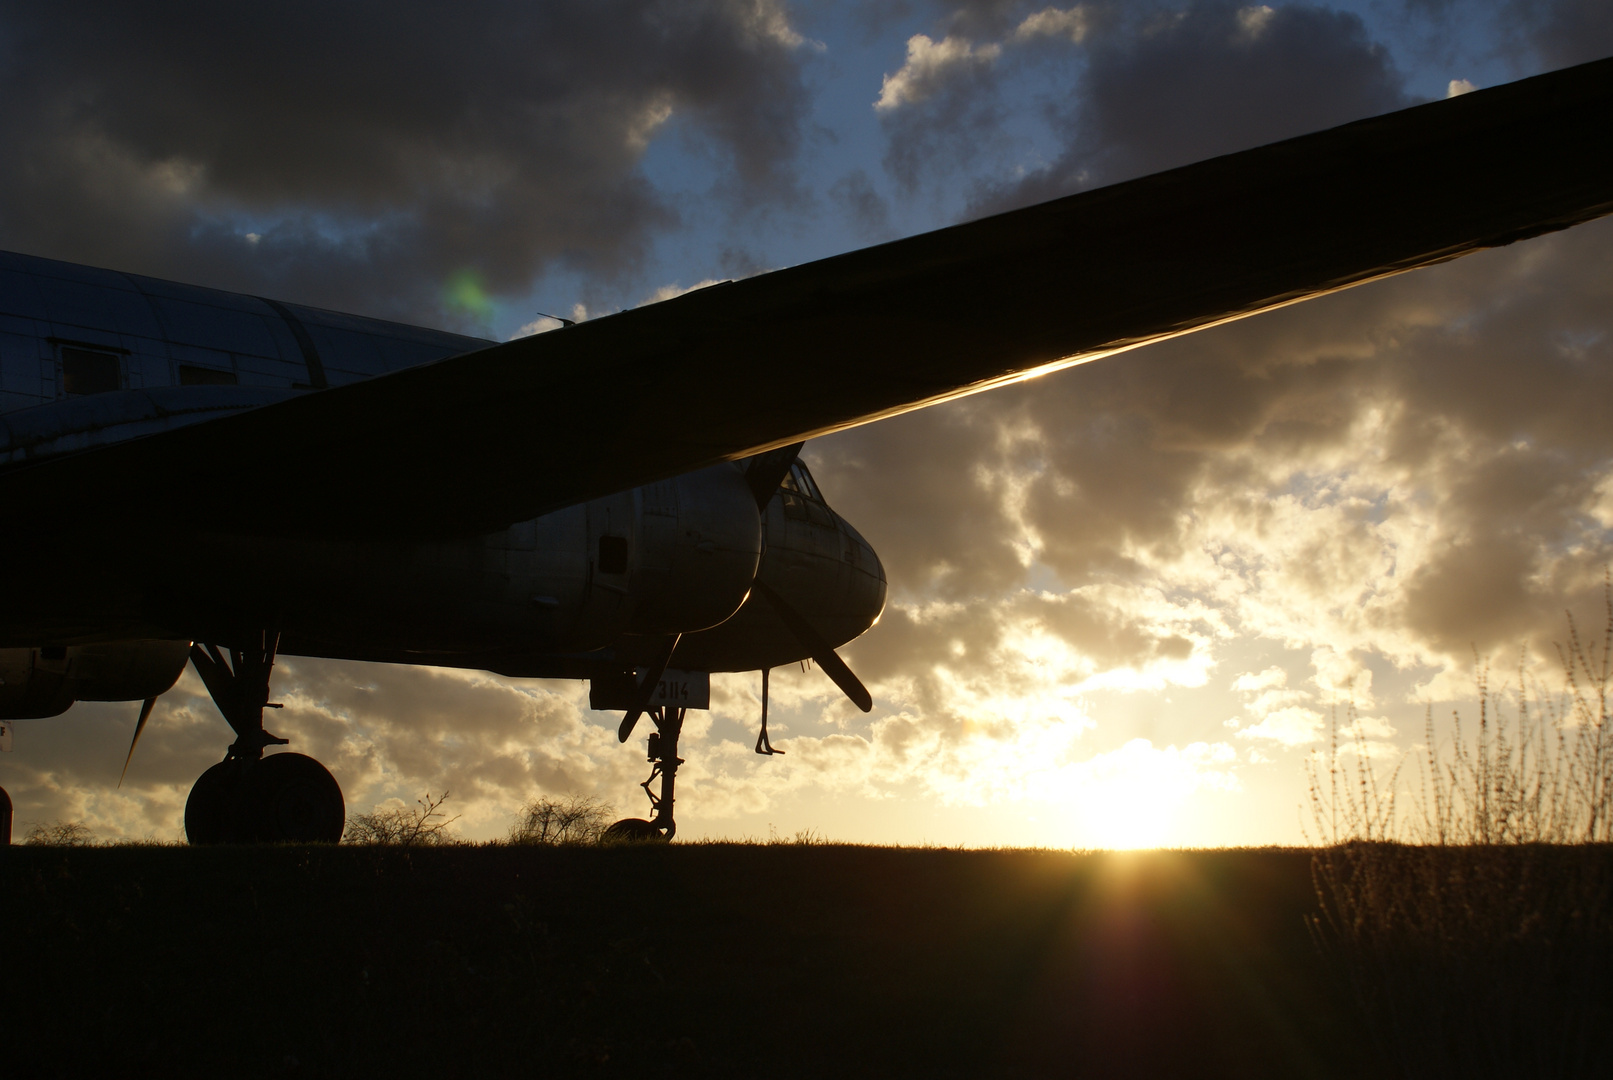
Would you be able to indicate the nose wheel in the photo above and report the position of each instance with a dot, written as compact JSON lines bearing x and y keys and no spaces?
{"x":248,"y":798}
{"x":664,"y":762}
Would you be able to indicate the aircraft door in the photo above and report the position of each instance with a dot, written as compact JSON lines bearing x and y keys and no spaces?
{"x":607,"y":596}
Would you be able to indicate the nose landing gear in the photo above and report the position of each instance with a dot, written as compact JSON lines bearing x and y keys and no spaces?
{"x":664,"y":762}
{"x":248,"y":798}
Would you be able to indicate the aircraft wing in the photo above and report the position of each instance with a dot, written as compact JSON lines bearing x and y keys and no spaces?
{"x":480,"y":440}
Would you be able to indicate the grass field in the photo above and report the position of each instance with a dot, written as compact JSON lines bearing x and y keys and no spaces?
{"x":693,"y":960}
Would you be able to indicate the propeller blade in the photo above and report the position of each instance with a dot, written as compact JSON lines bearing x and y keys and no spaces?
{"x":767,"y":470}
{"x":646,"y":688}
{"x":139,"y":726}
{"x":821,"y":650}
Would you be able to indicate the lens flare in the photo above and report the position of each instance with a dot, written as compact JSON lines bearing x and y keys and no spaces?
{"x":465,"y":293}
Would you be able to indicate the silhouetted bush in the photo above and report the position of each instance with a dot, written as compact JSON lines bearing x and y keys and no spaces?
{"x":572,"y":819}
{"x":61,"y":834}
{"x":421,"y":825}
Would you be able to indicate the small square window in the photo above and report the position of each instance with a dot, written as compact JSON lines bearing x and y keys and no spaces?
{"x":613,"y":554}
{"x":190,"y":375}
{"x":87,"y":372}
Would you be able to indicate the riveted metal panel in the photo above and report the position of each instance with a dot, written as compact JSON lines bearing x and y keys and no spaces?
{"x":158,"y":326}
{"x":96,"y":302}
{"x":224,"y":328}
{"x":19,"y":366}
{"x":19,"y":295}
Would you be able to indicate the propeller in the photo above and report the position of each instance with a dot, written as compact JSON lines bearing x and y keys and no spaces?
{"x":646,"y":689}
{"x":767,"y":470}
{"x":822,"y":652}
{"x":139,"y":726}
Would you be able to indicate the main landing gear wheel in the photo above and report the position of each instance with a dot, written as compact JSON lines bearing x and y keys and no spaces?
{"x":282,"y":798}
{"x":633,"y":830}
{"x":248,"y":798}
{"x":299,"y":801}
{"x":212,"y":813}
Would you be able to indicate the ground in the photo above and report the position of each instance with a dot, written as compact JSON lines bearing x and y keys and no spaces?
{"x":698,"y":960}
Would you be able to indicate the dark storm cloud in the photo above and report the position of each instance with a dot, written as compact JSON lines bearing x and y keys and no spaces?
{"x":376,"y":148}
{"x":1167,"y":88}
{"x":1568,"y":31}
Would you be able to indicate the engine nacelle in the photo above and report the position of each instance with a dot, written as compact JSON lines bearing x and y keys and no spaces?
{"x":42,"y":682}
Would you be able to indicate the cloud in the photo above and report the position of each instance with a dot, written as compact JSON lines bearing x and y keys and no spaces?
{"x":939,"y":109}
{"x":1386,"y":478}
{"x":930,"y":66}
{"x":1291,"y":726}
{"x":1408,"y":470}
{"x":668,"y":292}
{"x":1156,"y":92}
{"x":1070,"y":23}
{"x":1251,"y":682}
{"x":360,"y":156}
{"x":1566,"y":32}
{"x":867,"y":210}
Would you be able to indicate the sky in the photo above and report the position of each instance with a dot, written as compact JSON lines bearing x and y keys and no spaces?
{"x":1126,"y":600}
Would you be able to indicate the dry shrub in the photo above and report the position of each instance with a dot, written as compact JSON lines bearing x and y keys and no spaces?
{"x":1473,"y":960}
{"x":572,"y":819}
{"x":61,"y":834}
{"x":1480,"y":947}
{"x":422,"y":825}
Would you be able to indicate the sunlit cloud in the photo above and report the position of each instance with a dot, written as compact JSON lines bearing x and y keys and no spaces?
{"x":1071,"y":23}
{"x":1293,"y":725}
{"x":930,"y":64}
{"x":1254,"y":20}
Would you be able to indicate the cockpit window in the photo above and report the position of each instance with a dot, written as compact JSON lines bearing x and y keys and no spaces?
{"x":804,"y":479}
{"x":801,"y":497}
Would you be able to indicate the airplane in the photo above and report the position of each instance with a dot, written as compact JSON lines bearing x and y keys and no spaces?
{"x":192,"y":476}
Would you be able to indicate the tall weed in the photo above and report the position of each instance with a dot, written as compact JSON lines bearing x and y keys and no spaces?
{"x":1475,"y":933}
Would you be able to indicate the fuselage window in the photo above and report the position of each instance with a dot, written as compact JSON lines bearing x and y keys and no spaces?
{"x":87,"y":372}
{"x":189,"y":375}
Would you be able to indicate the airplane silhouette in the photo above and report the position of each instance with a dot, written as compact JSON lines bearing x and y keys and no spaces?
{"x":194,"y":476}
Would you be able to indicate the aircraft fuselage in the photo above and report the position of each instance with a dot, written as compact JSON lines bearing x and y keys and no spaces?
{"x":95,"y":357}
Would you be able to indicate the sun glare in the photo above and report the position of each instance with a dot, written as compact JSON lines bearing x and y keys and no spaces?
{"x":1135,"y":797}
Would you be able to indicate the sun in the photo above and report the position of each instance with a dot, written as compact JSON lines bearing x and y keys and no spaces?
{"x":1135,"y":796}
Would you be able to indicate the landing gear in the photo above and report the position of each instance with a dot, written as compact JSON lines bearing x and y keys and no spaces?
{"x":248,"y":798}
{"x":664,"y":762}
{"x":283,"y":798}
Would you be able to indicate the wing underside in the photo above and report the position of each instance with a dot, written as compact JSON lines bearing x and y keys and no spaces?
{"x":480,"y":440}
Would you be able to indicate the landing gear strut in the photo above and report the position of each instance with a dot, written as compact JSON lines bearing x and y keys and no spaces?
{"x":248,"y":798}
{"x":664,"y":762}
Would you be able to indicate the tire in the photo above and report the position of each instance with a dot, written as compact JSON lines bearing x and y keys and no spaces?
{"x":298,"y":801}
{"x":633,"y":831}
{"x":212,"y":812}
